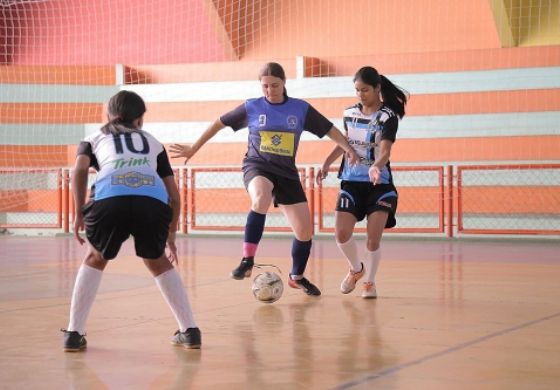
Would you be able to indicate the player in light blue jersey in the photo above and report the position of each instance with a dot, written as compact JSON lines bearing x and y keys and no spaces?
{"x":134,"y":194}
{"x":275,"y":122}
{"x":367,"y":188}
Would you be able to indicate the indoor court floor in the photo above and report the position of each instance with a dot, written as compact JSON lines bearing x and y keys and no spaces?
{"x":451,"y":314}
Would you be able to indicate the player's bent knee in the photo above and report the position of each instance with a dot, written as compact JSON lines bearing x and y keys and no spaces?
{"x":372,"y":245}
{"x":95,"y":260}
{"x":343,"y":235}
{"x":158,"y":266}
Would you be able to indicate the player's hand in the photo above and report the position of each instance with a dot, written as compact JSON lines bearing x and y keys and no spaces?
{"x":172,"y":255}
{"x":352,"y":157}
{"x":179,"y":150}
{"x":374,"y":174}
{"x":321,"y":174}
{"x":78,"y":226}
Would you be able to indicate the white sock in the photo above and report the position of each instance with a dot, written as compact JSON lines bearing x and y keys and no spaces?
{"x":85,"y":290}
{"x":350,"y":250}
{"x":372,"y":263}
{"x":175,"y":294}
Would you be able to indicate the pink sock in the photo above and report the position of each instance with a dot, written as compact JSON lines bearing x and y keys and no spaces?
{"x":249,"y":249}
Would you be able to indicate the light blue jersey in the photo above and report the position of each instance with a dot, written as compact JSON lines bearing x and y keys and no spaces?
{"x":127,"y":164}
{"x":364,"y":133}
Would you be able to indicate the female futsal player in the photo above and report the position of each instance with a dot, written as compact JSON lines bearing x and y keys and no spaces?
{"x":134,"y":194}
{"x":275,"y":123}
{"x":367,"y":189}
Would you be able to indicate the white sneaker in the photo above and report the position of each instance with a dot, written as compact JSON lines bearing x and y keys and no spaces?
{"x":349,"y":283}
{"x":368,"y":290}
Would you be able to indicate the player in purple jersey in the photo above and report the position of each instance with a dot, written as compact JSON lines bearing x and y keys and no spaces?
{"x":134,"y":194}
{"x":275,"y":122}
{"x":367,"y":188}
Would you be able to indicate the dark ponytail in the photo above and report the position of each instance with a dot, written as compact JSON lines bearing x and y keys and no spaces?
{"x":123,"y":109}
{"x":393,"y":96}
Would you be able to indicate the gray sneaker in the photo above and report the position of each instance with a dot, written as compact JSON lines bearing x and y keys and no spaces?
{"x":190,"y":338}
{"x":73,"y":341}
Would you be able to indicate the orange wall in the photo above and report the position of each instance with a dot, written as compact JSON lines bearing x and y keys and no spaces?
{"x":358,"y":27}
{"x":62,"y":32}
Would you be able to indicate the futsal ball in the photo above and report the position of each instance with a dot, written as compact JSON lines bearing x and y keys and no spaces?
{"x":267,"y":287}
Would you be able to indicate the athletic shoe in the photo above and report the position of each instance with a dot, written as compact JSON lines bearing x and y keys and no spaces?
{"x":349,"y":283}
{"x":73,"y":341}
{"x":244,"y":270}
{"x":189,"y":339}
{"x":304,"y":284}
{"x":368,"y":290}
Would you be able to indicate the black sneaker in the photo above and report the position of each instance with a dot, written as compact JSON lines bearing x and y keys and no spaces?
{"x":190,"y":338}
{"x":304,"y":284}
{"x":73,"y":341}
{"x":244,"y":270}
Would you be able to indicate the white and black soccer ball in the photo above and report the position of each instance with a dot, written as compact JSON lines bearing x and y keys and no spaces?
{"x":267,"y":287}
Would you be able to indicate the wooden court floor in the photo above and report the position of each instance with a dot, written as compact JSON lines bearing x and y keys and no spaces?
{"x":450,"y":315}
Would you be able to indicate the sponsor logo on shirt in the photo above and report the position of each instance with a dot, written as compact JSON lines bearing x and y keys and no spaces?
{"x":133,"y":180}
{"x":130,"y":162}
{"x":279,"y":143}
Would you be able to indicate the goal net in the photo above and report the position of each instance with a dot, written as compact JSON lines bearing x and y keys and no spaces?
{"x":477,"y":152}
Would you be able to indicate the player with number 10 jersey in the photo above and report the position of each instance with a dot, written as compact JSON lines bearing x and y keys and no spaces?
{"x":127,"y":164}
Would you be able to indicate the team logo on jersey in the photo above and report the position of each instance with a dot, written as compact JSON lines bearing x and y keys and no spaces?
{"x":276,"y":139}
{"x":292,"y":121}
{"x":133,"y":180}
{"x":262,"y":120}
{"x":279,"y":143}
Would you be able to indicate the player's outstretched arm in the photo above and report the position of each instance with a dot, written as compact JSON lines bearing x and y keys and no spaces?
{"x":79,"y":190}
{"x":341,"y":141}
{"x":324,"y":170}
{"x":188,"y":151}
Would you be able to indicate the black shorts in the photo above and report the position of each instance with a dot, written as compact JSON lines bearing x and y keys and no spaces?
{"x":363,"y":198}
{"x":109,"y":222}
{"x":285,"y":191}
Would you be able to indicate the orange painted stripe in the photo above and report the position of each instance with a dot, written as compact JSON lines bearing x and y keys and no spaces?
{"x":38,"y":201}
{"x":51,"y":74}
{"x":51,"y":112}
{"x":447,"y":61}
{"x":510,"y":200}
{"x":314,"y":152}
{"x":409,"y":150}
{"x":422,"y":200}
{"x":433,"y":104}
{"x":188,"y":111}
{"x":536,"y":100}
{"x":37,"y":156}
{"x":477,"y":149}
{"x":211,"y":71}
